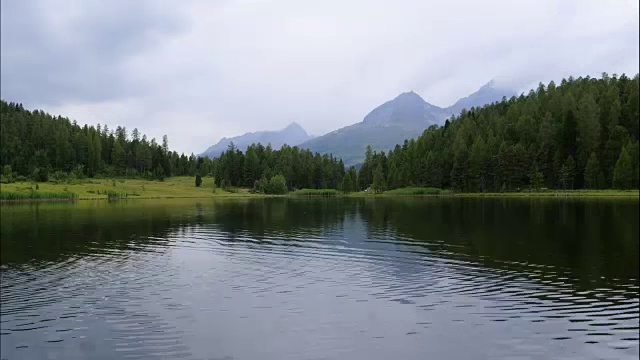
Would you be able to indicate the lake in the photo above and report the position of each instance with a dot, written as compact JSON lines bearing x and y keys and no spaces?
{"x":341,"y":278}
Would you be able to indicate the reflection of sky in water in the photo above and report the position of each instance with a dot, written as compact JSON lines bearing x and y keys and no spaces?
{"x":341,"y":285}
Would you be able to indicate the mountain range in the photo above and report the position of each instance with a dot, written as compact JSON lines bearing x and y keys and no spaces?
{"x":292,"y":135}
{"x":404,"y":117}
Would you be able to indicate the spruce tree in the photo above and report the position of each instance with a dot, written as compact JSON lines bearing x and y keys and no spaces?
{"x":592,"y":172}
{"x":378,"y":185}
{"x":568,"y":173}
{"x":623,"y":171}
{"x":347,"y":183}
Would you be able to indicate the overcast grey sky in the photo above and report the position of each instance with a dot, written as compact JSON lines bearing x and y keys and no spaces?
{"x":201,"y":70}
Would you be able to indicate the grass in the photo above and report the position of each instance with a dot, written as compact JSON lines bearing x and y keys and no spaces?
{"x":184,"y":187}
{"x":316,"y":192}
{"x":174,"y":187}
{"x":35,"y":195}
{"x":559,"y":193}
{"x":412,"y":191}
{"x":417,"y":191}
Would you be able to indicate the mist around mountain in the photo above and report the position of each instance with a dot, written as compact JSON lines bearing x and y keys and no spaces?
{"x":404,"y":117}
{"x":291,"y":135}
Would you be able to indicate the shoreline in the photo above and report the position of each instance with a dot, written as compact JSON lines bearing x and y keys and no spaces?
{"x":184,"y":188}
{"x":555,"y":195}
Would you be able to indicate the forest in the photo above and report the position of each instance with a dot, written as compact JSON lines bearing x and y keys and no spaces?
{"x":582,"y":134}
{"x":37,"y":145}
{"x":41,"y":147}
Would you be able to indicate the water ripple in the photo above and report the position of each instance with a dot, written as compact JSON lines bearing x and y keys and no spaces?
{"x":182,"y":292}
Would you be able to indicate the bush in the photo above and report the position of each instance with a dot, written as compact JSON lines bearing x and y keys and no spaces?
{"x":40,"y":174}
{"x":6,"y":171}
{"x":71,"y":177}
{"x":198,"y":180}
{"x":131,"y":173}
{"x":277,"y":185}
{"x":316,"y":192}
{"x":159,"y":173}
{"x":59,"y":176}
{"x":78,"y":171}
{"x":259,"y":186}
{"x":417,"y":191}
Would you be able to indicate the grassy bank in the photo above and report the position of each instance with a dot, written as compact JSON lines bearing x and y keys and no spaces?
{"x":417,"y":191}
{"x":184,"y":187}
{"x":316,"y":192}
{"x":35,"y":196}
{"x":548,"y":193}
{"x":174,"y":187}
{"x":559,"y":193}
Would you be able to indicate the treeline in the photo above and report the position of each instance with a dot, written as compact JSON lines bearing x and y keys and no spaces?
{"x":35,"y":144}
{"x":258,"y":164}
{"x":39,"y":146}
{"x":581,"y":134}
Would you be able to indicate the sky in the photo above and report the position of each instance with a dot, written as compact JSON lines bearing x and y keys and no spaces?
{"x":200,"y":70}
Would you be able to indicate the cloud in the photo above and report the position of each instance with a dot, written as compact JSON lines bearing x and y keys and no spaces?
{"x":201,"y":70}
{"x":55,"y":52}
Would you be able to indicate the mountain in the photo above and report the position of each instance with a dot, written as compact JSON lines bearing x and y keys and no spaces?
{"x":404,"y":117}
{"x":407,"y":110}
{"x":487,"y":94}
{"x":292,"y":135}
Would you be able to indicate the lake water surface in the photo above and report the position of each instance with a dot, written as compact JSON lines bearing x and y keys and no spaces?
{"x":410,"y":278}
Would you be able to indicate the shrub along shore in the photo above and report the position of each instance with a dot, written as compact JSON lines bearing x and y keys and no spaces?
{"x":184,"y":187}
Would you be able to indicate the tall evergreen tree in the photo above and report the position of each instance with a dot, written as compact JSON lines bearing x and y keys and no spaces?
{"x":592,"y":172}
{"x":568,"y":173}
{"x":536,"y":178}
{"x":623,"y":171}
{"x":347,"y":183}
{"x":378,"y":184}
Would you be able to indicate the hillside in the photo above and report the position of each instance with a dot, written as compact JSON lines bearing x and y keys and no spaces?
{"x":581,"y":134}
{"x":404,"y":117}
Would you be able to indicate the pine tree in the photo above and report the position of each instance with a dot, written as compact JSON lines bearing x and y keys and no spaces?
{"x":536,"y":178}
{"x":477,"y":165}
{"x":592,"y":172}
{"x":567,"y":173}
{"x":347,"y":183}
{"x":392,"y":177}
{"x":588,"y":128}
{"x":354,"y":178}
{"x":378,"y":185}
{"x":623,"y":171}
{"x":251,"y":166}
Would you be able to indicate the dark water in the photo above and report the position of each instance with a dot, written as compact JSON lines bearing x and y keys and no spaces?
{"x":321,"y":279}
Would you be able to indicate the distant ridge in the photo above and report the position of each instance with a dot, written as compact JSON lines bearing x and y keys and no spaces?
{"x":291,"y":135}
{"x":404,"y":117}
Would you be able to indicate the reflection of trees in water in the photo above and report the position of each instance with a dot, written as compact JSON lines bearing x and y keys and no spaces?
{"x":586,"y":238}
{"x":260,"y":217}
{"x":53,"y":232}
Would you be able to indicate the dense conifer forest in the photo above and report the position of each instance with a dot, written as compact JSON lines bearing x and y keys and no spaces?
{"x":580,"y":134}
{"x":38,"y":145}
